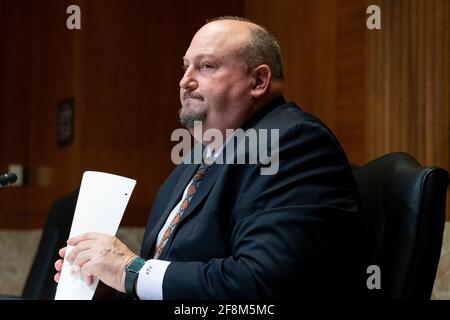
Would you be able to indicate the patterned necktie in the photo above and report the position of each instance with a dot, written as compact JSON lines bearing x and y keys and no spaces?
{"x":192,"y":189}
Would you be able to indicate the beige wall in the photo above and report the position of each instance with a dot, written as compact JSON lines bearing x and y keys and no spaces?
{"x":18,"y":248}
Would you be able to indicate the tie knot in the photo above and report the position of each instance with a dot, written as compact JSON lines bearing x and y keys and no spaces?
{"x":201,"y":172}
{"x":207,"y":161}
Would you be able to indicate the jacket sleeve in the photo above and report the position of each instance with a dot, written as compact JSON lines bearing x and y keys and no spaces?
{"x":287,"y":228}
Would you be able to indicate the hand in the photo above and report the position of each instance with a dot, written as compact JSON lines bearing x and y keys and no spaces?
{"x":59,"y":263}
{"x":102,"y":256}
{"x":102,"y":292}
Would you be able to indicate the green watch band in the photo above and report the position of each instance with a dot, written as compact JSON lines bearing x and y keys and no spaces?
{"x":131,"y":275}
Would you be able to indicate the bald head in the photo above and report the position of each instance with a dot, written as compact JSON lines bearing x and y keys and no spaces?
{"x":225,"y":37}
{"x":233,"y":30}
{"x":227,"y":77}
{"x":260,"y":47}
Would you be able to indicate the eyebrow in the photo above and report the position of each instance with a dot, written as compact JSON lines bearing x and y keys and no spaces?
{"x":201,"y":56}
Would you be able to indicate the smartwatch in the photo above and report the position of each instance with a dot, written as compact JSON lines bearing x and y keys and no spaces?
{"x":131,"y":275}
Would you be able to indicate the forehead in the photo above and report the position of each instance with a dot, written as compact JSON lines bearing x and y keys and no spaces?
{"x":218,"y":39}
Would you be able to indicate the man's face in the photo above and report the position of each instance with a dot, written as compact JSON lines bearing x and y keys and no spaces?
{"x":216,"y":88}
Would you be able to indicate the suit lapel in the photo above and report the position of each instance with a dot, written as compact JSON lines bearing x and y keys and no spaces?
{"x":173,"y":200}
{"x":203,"y":190}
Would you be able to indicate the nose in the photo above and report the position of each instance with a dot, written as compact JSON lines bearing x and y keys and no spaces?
{"x":188,"y":81}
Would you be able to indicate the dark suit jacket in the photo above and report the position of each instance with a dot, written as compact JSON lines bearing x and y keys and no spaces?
{"x":246,"y":235}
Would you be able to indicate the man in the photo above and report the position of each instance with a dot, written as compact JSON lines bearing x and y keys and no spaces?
{"x":225,"y":231}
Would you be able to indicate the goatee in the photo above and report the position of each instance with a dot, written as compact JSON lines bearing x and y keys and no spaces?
{"x":187,"y":118}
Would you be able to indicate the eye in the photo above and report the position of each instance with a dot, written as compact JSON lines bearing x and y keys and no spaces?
{"x":206,"y":66}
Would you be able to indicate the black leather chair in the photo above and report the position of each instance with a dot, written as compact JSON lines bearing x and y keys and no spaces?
{"x":403,"y":221}
{"x":40,"y":284}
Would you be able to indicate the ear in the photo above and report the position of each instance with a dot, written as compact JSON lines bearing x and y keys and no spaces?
{"x":261,"y":76}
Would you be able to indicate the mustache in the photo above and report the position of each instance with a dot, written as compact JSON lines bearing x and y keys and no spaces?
{"x":190,"y":94}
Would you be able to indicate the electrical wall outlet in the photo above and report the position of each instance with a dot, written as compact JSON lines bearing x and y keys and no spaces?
{"x":19,"y":170}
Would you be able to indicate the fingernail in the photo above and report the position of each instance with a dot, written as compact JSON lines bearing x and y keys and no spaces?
{"x":74,"y":270}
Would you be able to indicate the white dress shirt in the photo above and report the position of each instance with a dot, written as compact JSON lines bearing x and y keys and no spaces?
{"x":150,"y":278}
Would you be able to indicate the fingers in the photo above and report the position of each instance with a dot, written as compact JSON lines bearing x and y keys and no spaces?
{"x":83,"y":272}
{"x":87,"y":270}
{"x":79,"y":256}
{"x":90,"y":280}
{"x":58,"y":265}
{"x":80,"y":267}
{"x":81,"y":259}
{"x":83,"y":237}
{"x":95,"y":255}
{"x":79,"y":264}
{"x":62,"y":252}
{"x":85,"y":245}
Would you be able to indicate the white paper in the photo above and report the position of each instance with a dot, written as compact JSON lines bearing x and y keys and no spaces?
{"x":101,"y":203}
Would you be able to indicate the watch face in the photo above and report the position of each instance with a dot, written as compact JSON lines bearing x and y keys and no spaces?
{"x":136,"y":265}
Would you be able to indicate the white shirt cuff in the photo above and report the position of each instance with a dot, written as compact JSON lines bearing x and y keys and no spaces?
{"x":150,"y":280}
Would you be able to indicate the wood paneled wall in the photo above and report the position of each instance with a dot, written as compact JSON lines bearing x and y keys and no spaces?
{"x":408,"y":81}
{"x":123,"y":68}
{"x":323,"y":47}
{"x":379,"y":91}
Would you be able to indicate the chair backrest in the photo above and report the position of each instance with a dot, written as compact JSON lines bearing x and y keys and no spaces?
{"x":403,"y":217}
{"x":40,"y":284}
